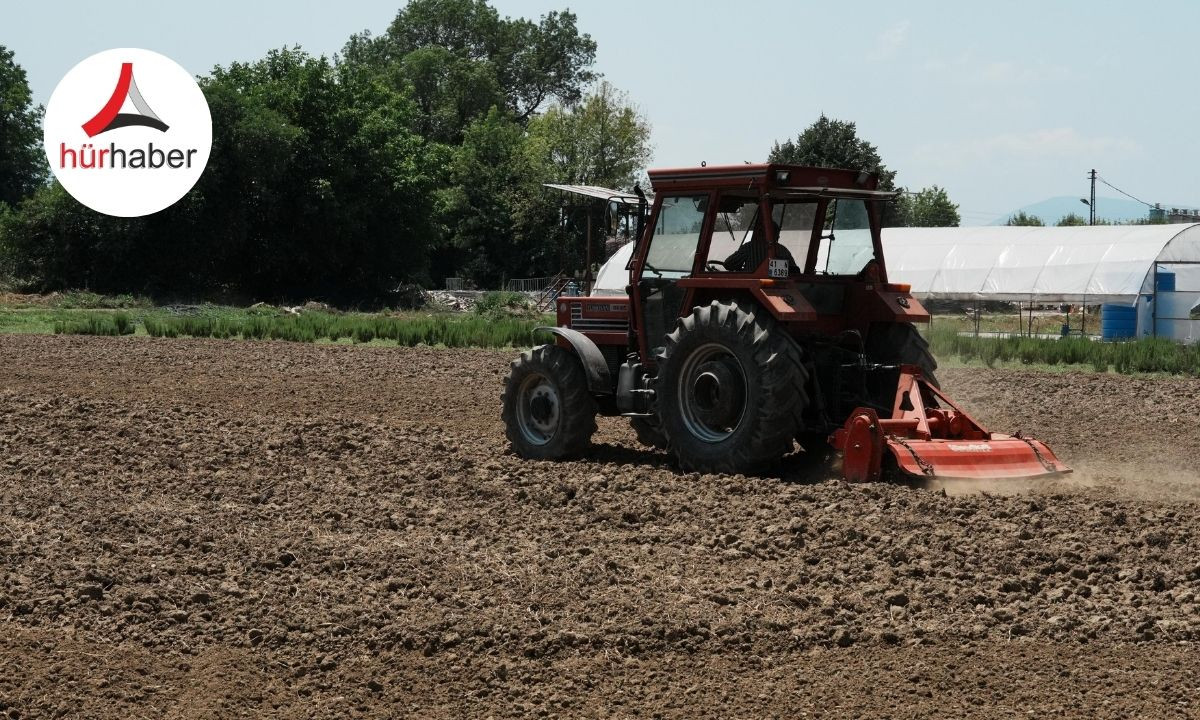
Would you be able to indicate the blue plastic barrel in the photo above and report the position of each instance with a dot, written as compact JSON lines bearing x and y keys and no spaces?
{"x":1165,"y":282}
{"x":1118,"y":322}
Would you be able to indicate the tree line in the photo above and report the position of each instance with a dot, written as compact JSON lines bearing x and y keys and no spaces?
{"x":411,"y":156}
{"x":1024,"y":219}
{"x":835,"y":143}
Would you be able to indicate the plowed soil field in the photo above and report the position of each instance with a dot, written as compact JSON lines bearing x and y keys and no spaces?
{"x":215,"y":529}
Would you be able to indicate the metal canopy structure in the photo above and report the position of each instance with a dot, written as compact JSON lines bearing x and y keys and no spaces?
{"x":616,"y":207}
{"x":1087,"y":264}
{"x":595,"y":191}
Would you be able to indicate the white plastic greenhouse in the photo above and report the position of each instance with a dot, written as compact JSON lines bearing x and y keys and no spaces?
{"x":1153,"y":270}
{"x":1105,"y":264}
{"x":1147,"y":273}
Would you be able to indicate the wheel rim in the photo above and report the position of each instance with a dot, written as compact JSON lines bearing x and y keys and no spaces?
{"x":712,"y":393}
{"x":538,"y":409}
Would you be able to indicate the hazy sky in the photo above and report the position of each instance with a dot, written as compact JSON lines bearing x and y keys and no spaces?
{"x":1003,"y":104}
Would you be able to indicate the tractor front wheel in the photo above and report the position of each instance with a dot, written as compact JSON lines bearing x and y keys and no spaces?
{"x":730,"y":390}
{"x":547,"y":410}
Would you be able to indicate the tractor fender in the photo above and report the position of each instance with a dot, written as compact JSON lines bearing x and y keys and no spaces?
{"x":888,"y":304}
{"x":785,"y":304}
{"x":595,"y":367}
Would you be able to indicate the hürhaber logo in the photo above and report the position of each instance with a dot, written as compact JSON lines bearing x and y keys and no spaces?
{"x":127,"y":132}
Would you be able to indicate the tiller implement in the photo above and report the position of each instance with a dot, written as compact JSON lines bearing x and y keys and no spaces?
{"x":929,"y":437}
{"x":758,"y":317}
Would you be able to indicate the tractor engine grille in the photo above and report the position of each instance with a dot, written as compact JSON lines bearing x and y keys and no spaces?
{"x":582,"y":324}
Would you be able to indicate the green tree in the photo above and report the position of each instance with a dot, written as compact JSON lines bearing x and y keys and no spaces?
{"x":1150,"y":220}
{"x":319,"y":188}
{"x":315,"y":188}
{"x":460,"y":58}
{"x":409,"y":158}
{"x":930,"y":207}
{"x":603,"y":140}
{"x":477,"y":81}
{"x":1024,"y":219}
{"x":22,"y":163}
{"x":835,"y":143}
{"x":497,"y":221}
{"x":1071,"y":220}
{"x":53,"y":242}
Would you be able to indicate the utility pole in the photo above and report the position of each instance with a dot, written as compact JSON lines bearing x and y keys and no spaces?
{"x":1092,"y":204}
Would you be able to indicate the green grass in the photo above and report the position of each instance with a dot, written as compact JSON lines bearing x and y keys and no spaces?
{"x":95,"y":323}
{"x":505,"y":322}
{"x":38,"y":321}
{"x":41,"y":314}
{"x":267,"y":323}
{"x":1147,"y":355}
{"x":1050,"y":324}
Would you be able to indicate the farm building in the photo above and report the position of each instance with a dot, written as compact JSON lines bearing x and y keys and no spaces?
{"x":1147,"y":277}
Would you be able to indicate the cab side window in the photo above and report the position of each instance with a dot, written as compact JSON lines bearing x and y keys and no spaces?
{"x":676,"y":236}
{"x":795,"y":221}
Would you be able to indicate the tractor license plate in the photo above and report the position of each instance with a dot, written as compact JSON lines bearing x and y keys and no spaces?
{"x":778,"y":268}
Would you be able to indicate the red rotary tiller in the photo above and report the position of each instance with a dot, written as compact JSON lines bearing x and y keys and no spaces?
{"x":929,"y":437}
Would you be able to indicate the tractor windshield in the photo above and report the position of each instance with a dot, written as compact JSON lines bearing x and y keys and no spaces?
{"x":846,"y":244}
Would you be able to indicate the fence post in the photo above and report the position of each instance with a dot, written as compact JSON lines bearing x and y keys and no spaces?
{"x":1154,"y":307}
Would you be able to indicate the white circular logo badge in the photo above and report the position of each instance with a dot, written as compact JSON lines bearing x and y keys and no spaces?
{"x":127,"y":132}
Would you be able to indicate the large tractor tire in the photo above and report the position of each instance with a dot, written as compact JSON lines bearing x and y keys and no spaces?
{"x":649,"y":431}
{"x":901,"y":344}
{"x":730,"y":390}
{"x":547,"y":410}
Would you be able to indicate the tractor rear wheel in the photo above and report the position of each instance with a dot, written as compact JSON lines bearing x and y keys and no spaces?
{"x":547,"y":410}
{"x":816,"y":446}
{"x":730,"y":390}
{"x":901,"y":344}
{"x":649,"y":431}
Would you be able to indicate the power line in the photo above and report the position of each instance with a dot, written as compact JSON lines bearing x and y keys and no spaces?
{"x":1114,"y":187}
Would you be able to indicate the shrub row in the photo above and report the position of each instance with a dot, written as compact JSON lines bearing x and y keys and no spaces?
{"x":1142,"y":355}
{"x":447,"y":330}
{"x":96,"y":324}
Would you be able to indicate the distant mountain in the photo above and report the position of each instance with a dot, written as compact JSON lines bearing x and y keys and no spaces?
{"x":1053,"y":209}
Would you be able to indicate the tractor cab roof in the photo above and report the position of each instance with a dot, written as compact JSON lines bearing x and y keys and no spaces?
{"x":777,"y":179}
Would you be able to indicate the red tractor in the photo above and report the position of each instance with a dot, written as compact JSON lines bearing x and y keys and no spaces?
{"x":758,"y":316}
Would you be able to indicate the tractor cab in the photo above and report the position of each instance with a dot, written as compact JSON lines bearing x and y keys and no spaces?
{"x":805,"y":242}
